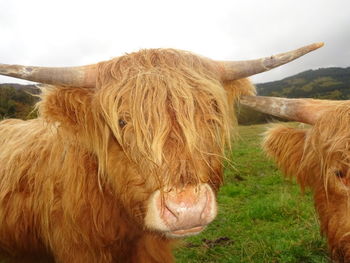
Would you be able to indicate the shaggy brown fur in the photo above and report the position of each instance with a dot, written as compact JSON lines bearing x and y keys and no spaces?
{"x":319,"y":157}
{"x":74,"y":182}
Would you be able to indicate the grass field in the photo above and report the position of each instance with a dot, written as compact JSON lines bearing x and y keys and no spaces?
{"x":262,"y":217}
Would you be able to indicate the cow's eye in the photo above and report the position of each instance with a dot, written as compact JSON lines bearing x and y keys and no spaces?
{"x":339,"y":174}
{"x":122,"y":123}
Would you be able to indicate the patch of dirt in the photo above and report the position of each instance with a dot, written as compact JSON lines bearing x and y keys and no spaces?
{"x":221,"y":241}
{"x":239,"y":178}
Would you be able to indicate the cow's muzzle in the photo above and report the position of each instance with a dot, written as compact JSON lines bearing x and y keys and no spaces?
{"x":181,"y":212}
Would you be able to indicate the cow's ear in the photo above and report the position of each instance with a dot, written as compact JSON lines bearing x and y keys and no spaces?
{"x":286,"y":146}
{"x":70,"y":107}
{"x":239,"y":87}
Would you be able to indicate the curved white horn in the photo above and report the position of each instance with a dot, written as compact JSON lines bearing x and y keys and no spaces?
{"x":84,"y":76}
{"x":240,"y":69}
{"x":302,"y":110}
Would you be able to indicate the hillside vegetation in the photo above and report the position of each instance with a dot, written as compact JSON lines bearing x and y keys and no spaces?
{"x":324,"y":83}
{"x":17,"y":101}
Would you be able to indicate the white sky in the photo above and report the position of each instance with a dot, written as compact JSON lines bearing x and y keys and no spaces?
{"x":77,"y":32}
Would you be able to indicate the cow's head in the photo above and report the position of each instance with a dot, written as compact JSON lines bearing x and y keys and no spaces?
{"x":318,"y":156}
{"x":158,"y":121}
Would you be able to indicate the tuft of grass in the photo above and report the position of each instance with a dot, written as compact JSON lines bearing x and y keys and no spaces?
{"x":262,"y":216}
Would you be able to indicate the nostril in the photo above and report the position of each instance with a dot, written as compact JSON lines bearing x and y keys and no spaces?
{"x":171,"y":214}
{"x":206,"y":207}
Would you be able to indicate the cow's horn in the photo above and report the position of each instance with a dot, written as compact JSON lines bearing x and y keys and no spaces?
{"x":302,"y":110}
{"x":84,"y":76}
{"x":245,"y":68}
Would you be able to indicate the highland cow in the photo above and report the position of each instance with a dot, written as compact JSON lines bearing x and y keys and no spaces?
{"x":125,"y":156}
{"x":319,"y":158}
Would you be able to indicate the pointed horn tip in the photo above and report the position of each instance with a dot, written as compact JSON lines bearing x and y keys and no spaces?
{"x":317,"y":45}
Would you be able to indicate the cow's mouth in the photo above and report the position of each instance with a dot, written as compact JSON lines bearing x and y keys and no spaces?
{"x":186,"y":232}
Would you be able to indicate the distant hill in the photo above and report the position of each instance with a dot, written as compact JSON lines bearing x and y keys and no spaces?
{"x":324,"y":83}
{"x":33,"y":89}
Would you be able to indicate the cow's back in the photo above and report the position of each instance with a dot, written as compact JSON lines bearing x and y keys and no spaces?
{"x":50,"y":194}
{"x":24,"y":146}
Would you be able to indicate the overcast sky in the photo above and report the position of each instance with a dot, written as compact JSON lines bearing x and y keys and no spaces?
{"x":77,"y":32}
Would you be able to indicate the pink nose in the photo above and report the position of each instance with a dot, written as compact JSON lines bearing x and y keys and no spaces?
{"x":187,"y":211}
{"x":181,"y":212}
{"x":188,"y":208}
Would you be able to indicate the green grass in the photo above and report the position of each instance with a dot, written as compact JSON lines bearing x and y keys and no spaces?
{"x":262,"y":216}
